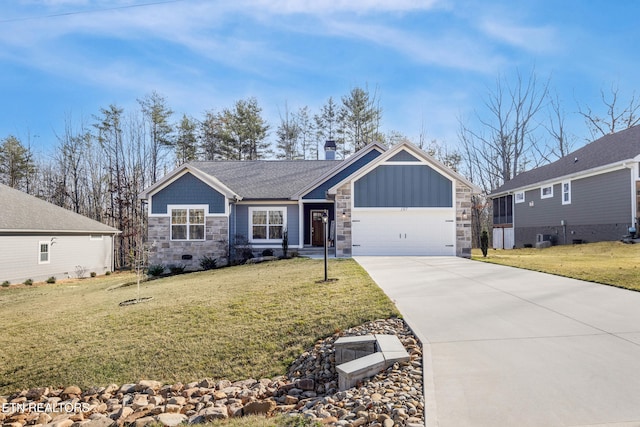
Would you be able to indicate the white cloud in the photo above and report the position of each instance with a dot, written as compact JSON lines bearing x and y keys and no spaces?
{"x":338,"y":6}
{"x":538,"y":39}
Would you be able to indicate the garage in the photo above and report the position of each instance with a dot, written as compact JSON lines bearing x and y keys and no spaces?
{"x":404,"y":231}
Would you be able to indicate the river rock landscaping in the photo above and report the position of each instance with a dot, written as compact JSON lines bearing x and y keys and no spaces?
{"x":393,"y":397}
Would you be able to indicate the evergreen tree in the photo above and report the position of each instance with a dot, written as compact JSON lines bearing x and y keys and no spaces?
{"x":326,"y":125}
{"x":359,"y":118}
{"x":157,"y":115}
{"x":243,"y":131}
{"x":16,"y":162}
{"x":186,"y":142}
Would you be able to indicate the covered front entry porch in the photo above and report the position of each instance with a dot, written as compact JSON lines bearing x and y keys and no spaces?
{"x":313,"y":227}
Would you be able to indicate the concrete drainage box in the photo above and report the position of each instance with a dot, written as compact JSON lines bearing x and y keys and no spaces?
{"x":363,"y":356}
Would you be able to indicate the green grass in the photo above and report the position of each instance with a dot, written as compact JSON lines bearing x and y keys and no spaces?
{"x":232,"y":323}
{"x":610,"y":263}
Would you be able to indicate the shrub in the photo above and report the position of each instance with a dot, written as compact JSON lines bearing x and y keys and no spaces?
{"x":155,"y":270}
{"x":285,"y":243}
{"x":28,"y":282}
{"x":80,"y":271}
{"x":92,"y":274}
{"x":208,"y":263}
{"x":108,"y":273}
{"x":267,"y":252}
{"x":6,"y":284}
{"x":51,"y":280}
{"x":177,"y":269}
{"x":484,"y":243}
{"x":247,"y":254}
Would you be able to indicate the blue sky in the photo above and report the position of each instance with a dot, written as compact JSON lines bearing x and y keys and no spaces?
{"x":431,"y":62}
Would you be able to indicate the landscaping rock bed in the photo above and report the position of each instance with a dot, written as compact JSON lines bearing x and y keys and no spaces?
{"x":393,"y":397}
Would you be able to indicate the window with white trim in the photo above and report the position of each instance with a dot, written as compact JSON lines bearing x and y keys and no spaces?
{"x":44,"y":252}
{"x":546,"y":192}
{"x":566,"y":193}
{"x":519,"y":197}
{"x":267,"y":224}
{"x":187,"y":223}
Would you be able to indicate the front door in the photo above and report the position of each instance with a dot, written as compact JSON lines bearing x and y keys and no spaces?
{"x":317,"y":231}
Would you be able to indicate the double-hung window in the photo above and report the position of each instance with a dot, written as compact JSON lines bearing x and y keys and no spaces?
{"x":267,"y":224}
{"x":566,"y":193}
{"x":44,"y":252}
{"x":187,"y":223}
{"x":546,"y":192}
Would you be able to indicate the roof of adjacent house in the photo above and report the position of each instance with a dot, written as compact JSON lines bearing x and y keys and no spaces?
{"x":22,"y":212}
{"x":608,"y":150}
{"x":266,"y":179}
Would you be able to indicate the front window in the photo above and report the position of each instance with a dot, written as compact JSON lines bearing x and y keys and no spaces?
{"x":546,"y":192}
{"x":43,"y":257}
{"x":520,"y":197}
{"x":566,"y":193}
{"x":187,"y":223}
{"x":267,"y":223}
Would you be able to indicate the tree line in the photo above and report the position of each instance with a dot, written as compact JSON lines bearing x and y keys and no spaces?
{"x":99,"y":166}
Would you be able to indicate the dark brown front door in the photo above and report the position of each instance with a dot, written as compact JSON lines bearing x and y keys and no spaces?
{"x":316,"y":228}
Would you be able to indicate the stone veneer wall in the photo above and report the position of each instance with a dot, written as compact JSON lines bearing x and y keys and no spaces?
{"x":343,"y":222}
{"x":167,"y":252}
{"x":463,"y":225}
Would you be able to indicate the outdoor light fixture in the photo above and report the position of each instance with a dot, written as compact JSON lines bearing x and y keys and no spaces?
{"x":325,"y":221}
{"x":464,"y":214}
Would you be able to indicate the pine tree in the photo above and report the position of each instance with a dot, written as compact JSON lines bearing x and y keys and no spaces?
{"x":16,"y":162}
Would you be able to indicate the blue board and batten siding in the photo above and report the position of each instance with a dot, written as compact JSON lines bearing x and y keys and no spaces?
{"x":188,"y":190}
{"x":240,"y":221}
{"x":320,"y":192}
{"x":404,"y":156}
{"x":409,"y":186}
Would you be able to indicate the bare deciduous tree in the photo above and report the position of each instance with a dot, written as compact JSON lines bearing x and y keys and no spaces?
{"x":616,"y":117}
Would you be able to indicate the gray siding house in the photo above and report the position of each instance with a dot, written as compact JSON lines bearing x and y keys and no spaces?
{"x":379,"y":201}
{"x":590,"y":195}
{"x":39,"y":240}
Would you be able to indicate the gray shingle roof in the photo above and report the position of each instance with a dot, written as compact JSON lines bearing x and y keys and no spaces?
{"x":266,"y":179}
{"x":23,"y":212}
{"x":609,"y":149}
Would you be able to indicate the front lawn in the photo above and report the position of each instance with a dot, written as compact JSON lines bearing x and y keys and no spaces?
{"x":232,"y":323}
{"x":611,"y":263}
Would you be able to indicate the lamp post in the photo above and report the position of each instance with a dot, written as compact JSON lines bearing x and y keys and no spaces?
{"x":325,"y":221}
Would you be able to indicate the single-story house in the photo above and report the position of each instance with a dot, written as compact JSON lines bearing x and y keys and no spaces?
{"x":39,"y":240}
{"x":590,"y":195}
{"x":379,"y":201}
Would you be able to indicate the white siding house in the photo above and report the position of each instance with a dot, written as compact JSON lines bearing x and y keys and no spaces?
{"x":39,"y":240}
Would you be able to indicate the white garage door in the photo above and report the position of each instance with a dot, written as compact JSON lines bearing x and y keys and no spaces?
{"x":403,"y":232}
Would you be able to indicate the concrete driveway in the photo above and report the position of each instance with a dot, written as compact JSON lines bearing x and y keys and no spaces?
{"x":510,"y":347}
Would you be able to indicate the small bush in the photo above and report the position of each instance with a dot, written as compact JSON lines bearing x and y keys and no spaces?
{"x":6,"y":284}
{"x":28,"y":282}
{"x":208,"y":263}
{"x":247,"y":254}
{"x":177,"y":269}
{"x":267,"y":252}
{"x":51,"y":280}
{"x":484,"y":243}
{"x":108,"y":273}
{"x":155,"y":270}
{"x":92,"y":274}
{"x":80,"y":271}
{"x":285,"y":243}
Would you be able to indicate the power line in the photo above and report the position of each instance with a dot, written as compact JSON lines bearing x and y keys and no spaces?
{"x":82,"y":12}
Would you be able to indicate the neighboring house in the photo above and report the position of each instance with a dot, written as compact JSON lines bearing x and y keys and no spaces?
{"x":39,"y":240}
{"x":592,"y":194}
{"x":379,"y":201}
